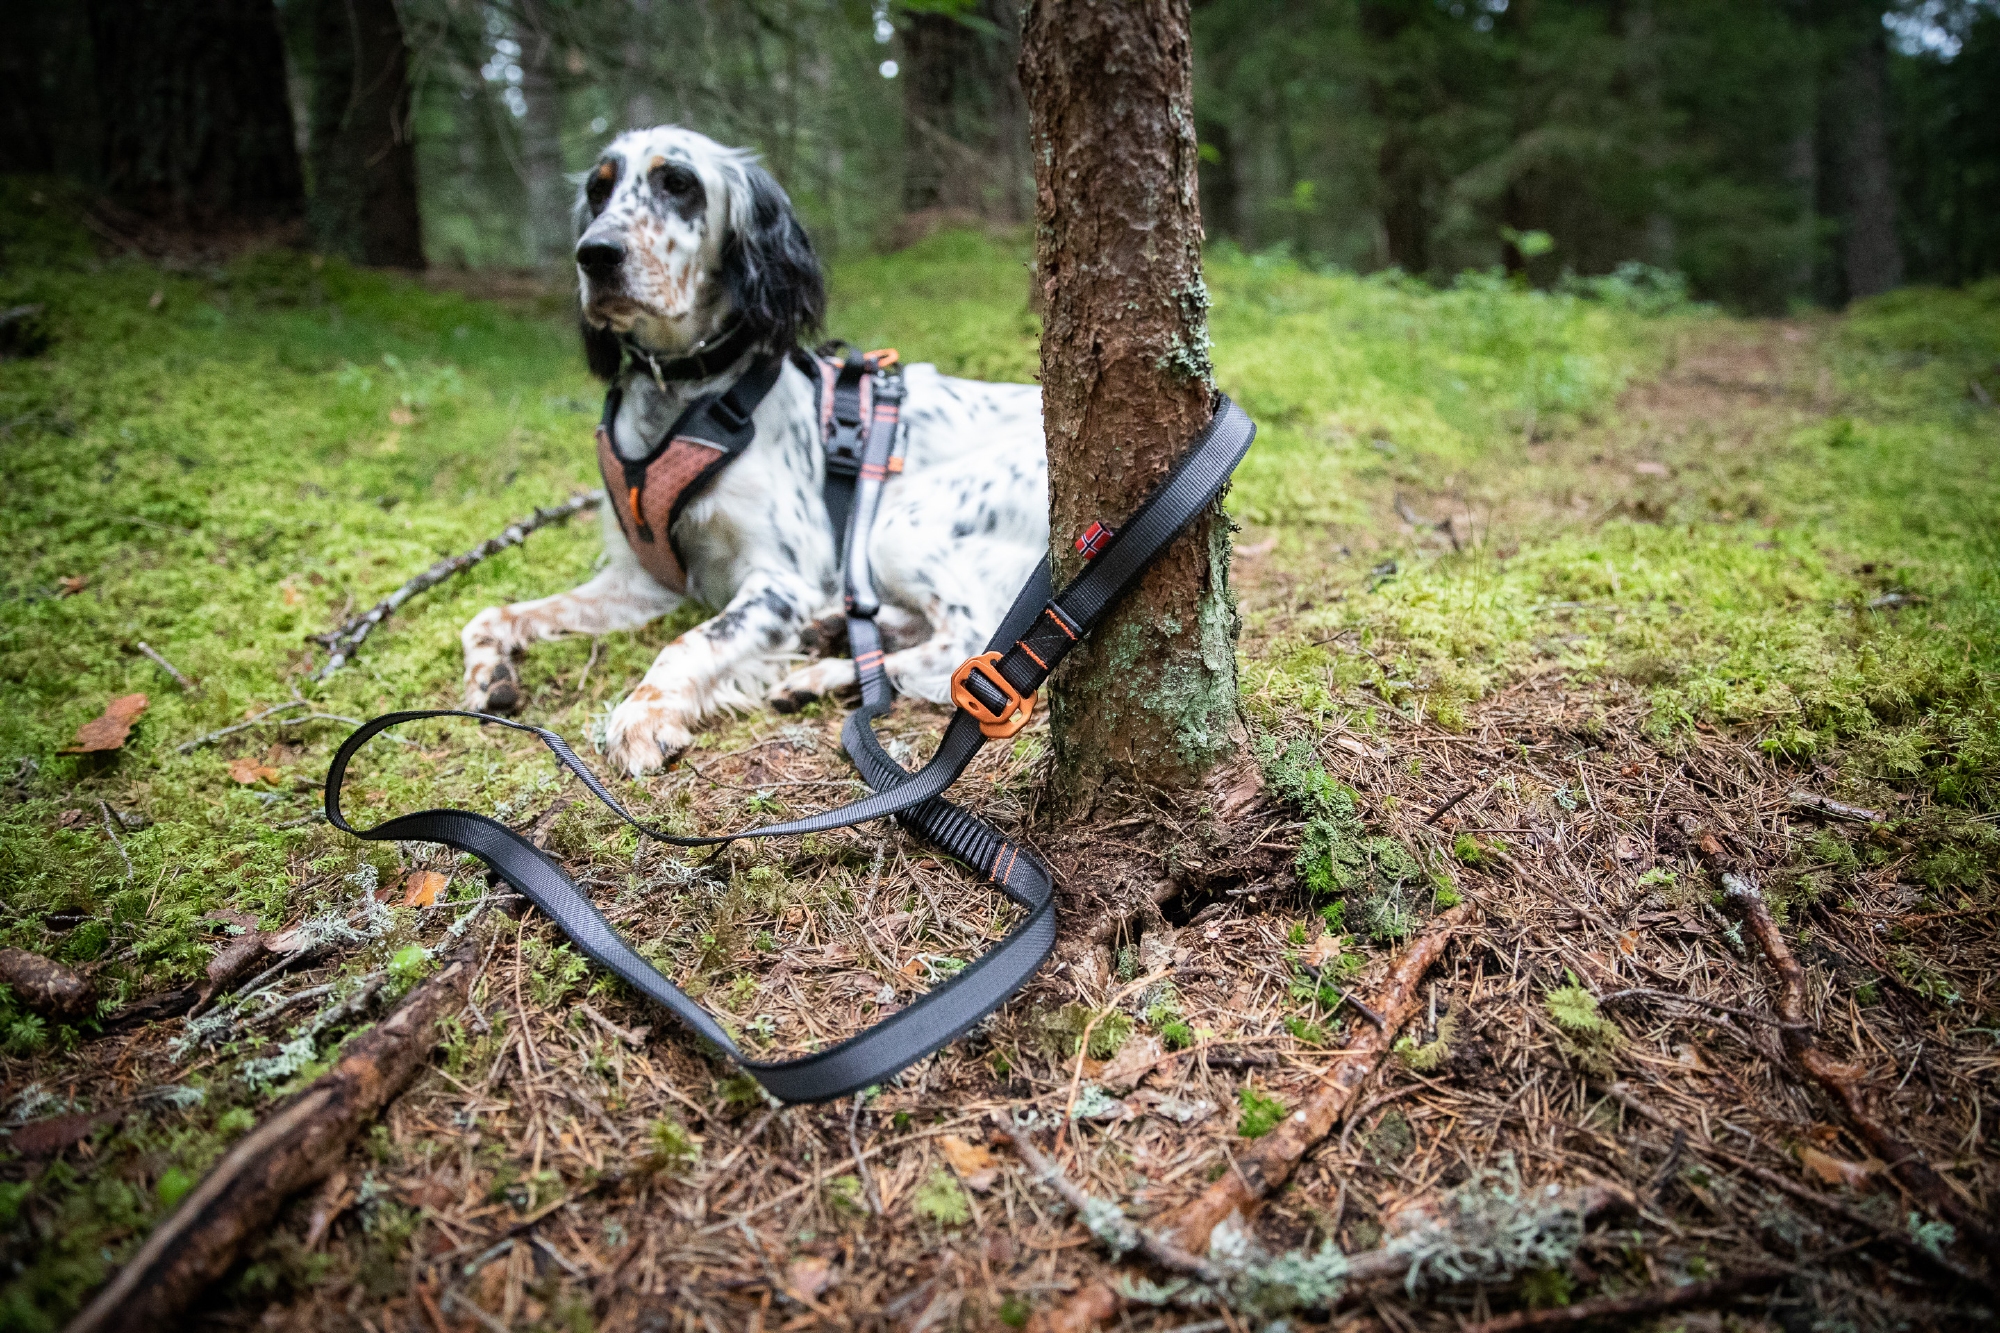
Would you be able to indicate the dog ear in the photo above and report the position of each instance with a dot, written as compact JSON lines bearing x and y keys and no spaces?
{"x":768,"y":265}
{"x":601,"y":350}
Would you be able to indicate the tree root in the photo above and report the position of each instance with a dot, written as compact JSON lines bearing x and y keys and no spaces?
{"x":1842,"y":1081}
{"x":1691,"y":1296}
{"x":297,"y":1144}
{"x":1270,"y":1162}
{"x":344,"y":642}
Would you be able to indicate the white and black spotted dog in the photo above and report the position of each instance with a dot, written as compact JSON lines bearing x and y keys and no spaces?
{"x":682,"y":239}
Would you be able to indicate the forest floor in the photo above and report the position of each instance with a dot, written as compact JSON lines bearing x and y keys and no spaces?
{"x":1562,"y":615}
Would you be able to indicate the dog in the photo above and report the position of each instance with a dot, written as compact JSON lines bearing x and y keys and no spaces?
{"x":683,"y":244}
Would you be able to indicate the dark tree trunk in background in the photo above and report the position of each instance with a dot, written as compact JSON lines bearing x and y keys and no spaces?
{"x":1149,"y":701}
{"x":197,"y":127}
{"x":1402,"y":166}
{"x":364,"y":159}
{"x":548,"y":221}
{"x":1870,"y":256}
{"x":965,"y":119}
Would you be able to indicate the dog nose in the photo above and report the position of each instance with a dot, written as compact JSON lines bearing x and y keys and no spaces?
{"x":600,"y":256}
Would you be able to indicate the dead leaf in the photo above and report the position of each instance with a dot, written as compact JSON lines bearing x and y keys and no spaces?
{"x":972,"y":1161}
{"x":1709,"y":846}
{"x":71,"y":586}
{"x":1651,"y":469}
{"x":421,"y":887}
{"x":291,"y":595}
{"x":249,"y":772}
{"x":1138,"y":1057}
{"x":71,"y":818}
{"x":109,"y":730}
{"x":1324,"y":950}
{"x":1833,"y":1170}
{"x":156,"y":300}
{"x":1628,"y":943}
{"x":1628,"y":848}
{"x":402,"y":416}
{"x":808,"y":1275}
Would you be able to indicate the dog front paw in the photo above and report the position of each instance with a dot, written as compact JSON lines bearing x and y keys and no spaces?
{"x":495,"y":688}
{"x":492,"y":684}
{"x":646,"y":732}
{"x":827,"y":676}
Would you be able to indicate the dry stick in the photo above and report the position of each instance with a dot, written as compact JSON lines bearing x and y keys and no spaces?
{"x":1747,"y":1015}
{"x":1853,"y":814}
{"x":189,"y":747}
{"x":1693,"y":1295}
{"x":347,"y":640}
{"x":298,"y":1143}
{"x":1840,"y":1080}
{"x":166,"y":666}
{"x":1269,"y":1163}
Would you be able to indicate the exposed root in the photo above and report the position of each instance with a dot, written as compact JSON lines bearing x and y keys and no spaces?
{"x":1690,"y":1296}
{"x":1842,"y":1081}
{"x":1271,"y":1161}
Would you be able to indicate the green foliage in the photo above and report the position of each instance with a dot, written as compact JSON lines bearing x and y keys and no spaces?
{"x":1585,"y":1034}
{"x":1015,"y":1311}
{"x":845,"y":1196}
{"x":1261,"y":1112}
{"x":1574,"y":1008}
{"x":940,"y":1199}
{"x":1336,"y":852}
{"x":1429,"y":1056}
{"x":670,"y":1149}
{"x":1547,"y":1287}
{"x":1064,"y":1028}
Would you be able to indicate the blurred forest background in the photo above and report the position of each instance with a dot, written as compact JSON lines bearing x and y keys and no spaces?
{"x":1770,"y":153}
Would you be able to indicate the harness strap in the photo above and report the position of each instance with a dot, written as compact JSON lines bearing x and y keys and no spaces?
{"x":1051,"y":624}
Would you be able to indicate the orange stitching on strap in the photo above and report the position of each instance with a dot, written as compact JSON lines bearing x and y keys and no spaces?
{"x":1050,"y":612}
{"x":1022,"y":644}
{"x":896,"y":463}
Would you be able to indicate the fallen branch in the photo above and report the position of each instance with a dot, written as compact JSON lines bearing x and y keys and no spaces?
{"x":344,"y":642}
{"x":1842,"y":1081}
{"x":189,"y":747}
{"x":1271,"y":1160}
{"x":1690,"y":1296}
{"x":1695,"y":1001}
{"x":297,"y":1144}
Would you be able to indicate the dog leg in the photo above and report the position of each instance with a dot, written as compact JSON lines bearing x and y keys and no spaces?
{"x":831,"y":675}
{"x":622,"y":597}
{"x":721,"y":663}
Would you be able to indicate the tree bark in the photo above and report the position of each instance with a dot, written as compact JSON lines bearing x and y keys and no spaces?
{"x":197,"y":126}
{"x":1150,"y":699}
{"x":364,"y":159}
{"x":1870,"y":256}
{"x":1403,"y":169}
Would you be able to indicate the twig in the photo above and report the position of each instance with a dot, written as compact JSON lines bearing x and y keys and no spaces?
{"x":166,"y":666}
{"x":1747,"y":1015}
{"x":344,"y":642}
{"x":189,"y":747}
{"x":116,"y":841}
{"x":1853,"y":814}
{"x":1842,"y":1082}
{"x":633,"y":1037}
{"x":860,"y":1162}
{"x":1444,"y":809}
{"x":1102,"y":1217}
{"x":1691,"y":1295}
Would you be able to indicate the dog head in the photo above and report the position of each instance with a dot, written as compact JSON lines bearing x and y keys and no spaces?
{"x":681,"y":237}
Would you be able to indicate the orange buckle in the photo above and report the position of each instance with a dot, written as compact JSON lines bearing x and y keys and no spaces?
{"x":883,"y":357}
{"x":1000,"y":725}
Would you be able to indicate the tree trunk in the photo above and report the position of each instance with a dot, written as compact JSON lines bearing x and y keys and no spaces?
{"x":364,"y":160}
{"x":1402,"y":165}
{"x":964,"y":119}
{"x":1149,"y":701}
{"x":548,"y":237}
{"x":1870,"y":256}
{"x":197,"y":127}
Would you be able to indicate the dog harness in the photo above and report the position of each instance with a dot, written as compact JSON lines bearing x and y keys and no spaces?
{"x":994,"y":692}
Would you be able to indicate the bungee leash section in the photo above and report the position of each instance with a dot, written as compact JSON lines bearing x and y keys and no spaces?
{"x":994,"y":691}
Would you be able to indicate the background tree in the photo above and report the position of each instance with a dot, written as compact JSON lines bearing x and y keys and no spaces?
{"x":1150,"y":700}
{"x":362,"y":141}
{"x":196,"y":126}
{"x":964,"y":116}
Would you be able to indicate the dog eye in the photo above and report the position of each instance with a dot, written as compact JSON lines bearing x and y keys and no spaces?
{"x":676,"y":182}
{"x":599,"y":188}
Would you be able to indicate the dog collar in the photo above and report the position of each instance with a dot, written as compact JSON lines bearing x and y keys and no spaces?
{"x":705,"y":362}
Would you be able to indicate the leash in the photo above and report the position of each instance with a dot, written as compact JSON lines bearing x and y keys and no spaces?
{"x":994,"y":692}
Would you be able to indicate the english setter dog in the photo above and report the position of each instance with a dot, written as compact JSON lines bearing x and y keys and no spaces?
{"x":684,"y":243}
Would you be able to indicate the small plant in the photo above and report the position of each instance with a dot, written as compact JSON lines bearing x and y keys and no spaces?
{"x":1585,"y":1035}
{"x":844,"y":1196}
{"x":670,"y":1149}
{"x":1448,"y":895}
{"x":1306,"y":1030}
{"x":1066,"y":1026}
{"x":1426,"y":1058}
{"x":1546,"y":1287}
{"x":941,"y":1200}
{"x":1469,"y":851}
{"x":1176,"y":1035}
{"x":1015,"y":1311}
{"x":1261,"y":1113}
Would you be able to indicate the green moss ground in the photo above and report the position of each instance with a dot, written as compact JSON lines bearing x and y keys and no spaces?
{"x":231,"y":458}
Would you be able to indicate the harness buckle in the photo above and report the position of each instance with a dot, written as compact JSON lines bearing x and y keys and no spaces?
{"x":1014,"y":709}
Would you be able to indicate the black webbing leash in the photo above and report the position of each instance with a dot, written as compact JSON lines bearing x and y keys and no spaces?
{"x":994,"y":691}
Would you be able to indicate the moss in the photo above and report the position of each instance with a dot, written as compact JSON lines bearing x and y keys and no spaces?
{"x":940,"y":1199}
{"x":1261,"y":1112}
